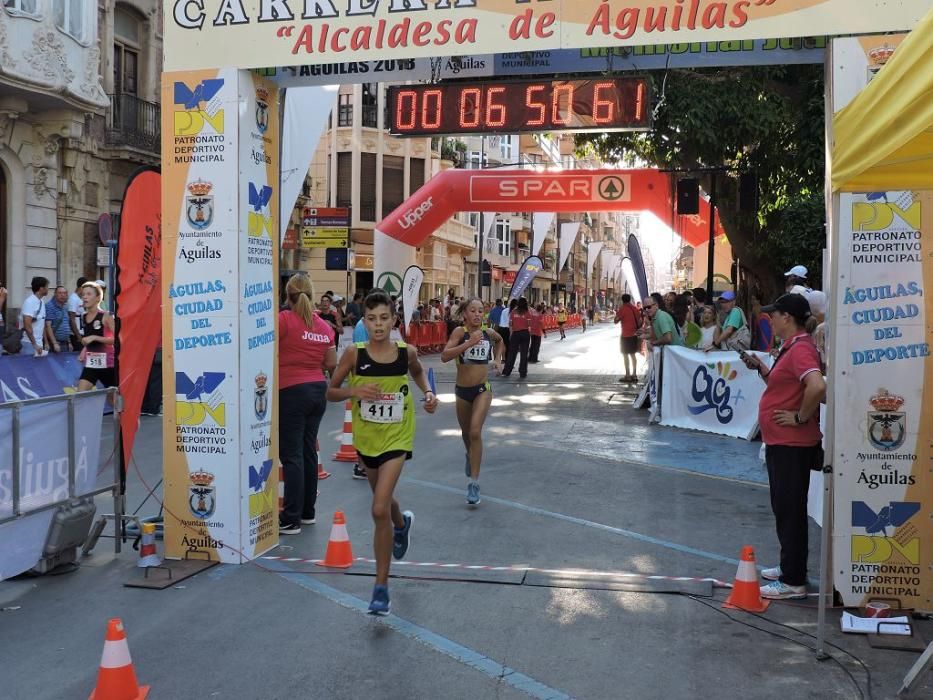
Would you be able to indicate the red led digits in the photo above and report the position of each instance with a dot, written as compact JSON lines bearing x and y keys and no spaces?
{"x":496,"y":113}
{"x":431,"y":115}
{"x":511,"y":107}
{"x":561,"y":114}
{"x":604,"y":108}
{"x":473,"y":108}
{"x":533,"y":104}
{"x":406,"y":110}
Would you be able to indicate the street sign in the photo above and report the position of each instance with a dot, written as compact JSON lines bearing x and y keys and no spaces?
{"x":325,"y":216}
{"x":324,"y":237}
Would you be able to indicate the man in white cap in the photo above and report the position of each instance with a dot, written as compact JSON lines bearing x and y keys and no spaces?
{"x":796,"y":275}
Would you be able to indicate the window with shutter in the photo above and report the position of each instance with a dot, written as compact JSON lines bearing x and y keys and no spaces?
{"x":416,"y":174}
{"x":344,"y":179}
{"x":367,"y":186}
{"x":393,"y":183}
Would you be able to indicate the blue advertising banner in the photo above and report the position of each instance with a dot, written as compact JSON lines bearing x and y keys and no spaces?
{"x":526,"y":273}
{"x":27,"y":377}
{"x":707,"y":54}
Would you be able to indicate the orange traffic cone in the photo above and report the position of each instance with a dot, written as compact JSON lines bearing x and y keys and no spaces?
{"x":347,"y":453}
{"x":746,"y":593}
{"x":321,"y":473}
{"x":116,"y":679}
{"x":339,"y":555}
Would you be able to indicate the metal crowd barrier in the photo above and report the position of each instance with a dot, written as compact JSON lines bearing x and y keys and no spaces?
{"x":114,"y":486}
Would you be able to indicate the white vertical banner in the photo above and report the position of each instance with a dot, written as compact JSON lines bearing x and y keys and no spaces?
{"x":592,"y":252}
{"x":628,"y":272}
{"x":390,"y":260}
{"x":303,"y":121}
{"x":568,"y":234}
{"x":258,"y":313}
{"x":411,"y":287}
{"x":539,"y":228}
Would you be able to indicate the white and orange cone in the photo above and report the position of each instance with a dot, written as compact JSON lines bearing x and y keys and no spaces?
{"x":339,"y":554}
{"x":116,"y":679}
{"x":347,"y":453}
{"x":148,"y":556}
{"x":746,"y":592}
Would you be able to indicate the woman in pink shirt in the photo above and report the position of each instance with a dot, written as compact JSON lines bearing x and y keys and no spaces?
{"x":306,"y":351}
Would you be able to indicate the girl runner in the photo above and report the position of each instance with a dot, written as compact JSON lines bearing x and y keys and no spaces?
{"x":97,"y":337}
{"x":383,"y":427}
{"x":561,"y":320}
{"x":473,"y":348}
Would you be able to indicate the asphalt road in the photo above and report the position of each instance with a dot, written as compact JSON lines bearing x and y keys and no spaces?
{"x":573,"y":478}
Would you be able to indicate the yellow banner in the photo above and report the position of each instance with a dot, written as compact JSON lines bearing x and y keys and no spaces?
{"x":257,"y":34}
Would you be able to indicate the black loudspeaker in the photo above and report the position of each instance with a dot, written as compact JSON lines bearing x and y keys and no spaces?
{"x":748,"y":192}
{"x":688,"y":196}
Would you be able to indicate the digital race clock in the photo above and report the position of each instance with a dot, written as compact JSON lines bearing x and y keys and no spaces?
{"x":605,"y":104}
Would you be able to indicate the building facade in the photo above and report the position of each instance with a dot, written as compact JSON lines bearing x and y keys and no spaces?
{"x":79,"y":83}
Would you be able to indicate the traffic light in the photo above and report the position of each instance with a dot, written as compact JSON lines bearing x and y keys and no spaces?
{"x":486,"y":275}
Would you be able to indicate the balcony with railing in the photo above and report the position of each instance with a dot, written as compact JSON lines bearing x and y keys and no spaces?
{"x":133,"y":123}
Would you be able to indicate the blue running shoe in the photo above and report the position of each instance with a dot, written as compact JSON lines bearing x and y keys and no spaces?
{"x":473,"y":498}
{"x":467,"y":470}
{"x":402,"y":538}
{"x":380,"y":604}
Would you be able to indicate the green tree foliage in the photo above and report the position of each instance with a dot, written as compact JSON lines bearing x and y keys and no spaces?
{"x":766,"y":120}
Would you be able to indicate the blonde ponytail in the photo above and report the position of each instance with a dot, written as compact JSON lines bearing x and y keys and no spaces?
{"x":300,"y":291}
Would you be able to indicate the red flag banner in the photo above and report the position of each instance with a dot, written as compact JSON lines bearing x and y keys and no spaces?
{"x":138,"y":305}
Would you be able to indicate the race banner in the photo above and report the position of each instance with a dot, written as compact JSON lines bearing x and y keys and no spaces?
{"x":540,"y":225}
{"x":220,"y":237}
{"x":528,"y":270}
{"x":882,"y":405}
{"x":44,"y":471}
{"x":25,"y":377}
{"x":711,"y":391}
{"x":138,"y":296}
{"x":257,"y":33}
{"x":568,"y":234}
{"x":882,"y":537}
{"x":638,"y":266}
{"x":592,"y":253}
{"x":411,"y":288}
{"x":628,"y":274}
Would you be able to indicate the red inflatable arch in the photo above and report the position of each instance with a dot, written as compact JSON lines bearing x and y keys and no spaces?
{"x":453,"y":191}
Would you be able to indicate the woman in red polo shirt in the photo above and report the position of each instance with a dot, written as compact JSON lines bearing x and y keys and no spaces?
{"x":536,"y":329}
{"x":789,"y":416}
{"x":306,"y":351}
{"x":519,"y":339}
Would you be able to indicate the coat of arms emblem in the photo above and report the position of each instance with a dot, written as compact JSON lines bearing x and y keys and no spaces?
{"x":200,"y":209}
{"x":886,"y":428}
{"x":201,"y":499}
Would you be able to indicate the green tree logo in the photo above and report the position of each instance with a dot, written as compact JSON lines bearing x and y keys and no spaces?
{"x":611,"y":188}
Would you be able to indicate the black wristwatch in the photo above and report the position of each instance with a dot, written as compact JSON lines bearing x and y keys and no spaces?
{"x":797,"y":418}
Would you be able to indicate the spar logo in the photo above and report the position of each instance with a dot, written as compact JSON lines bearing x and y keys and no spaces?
{"x":711,"y":391}
{"x":200,"y":400}
{"x":874,"y":548}
{"x":197,"y":109}
{"x":413,"y":216}
{"x":259,"y":222}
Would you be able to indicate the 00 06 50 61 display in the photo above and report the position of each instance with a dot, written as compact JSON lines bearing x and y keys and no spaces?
{"x":606,"y":104}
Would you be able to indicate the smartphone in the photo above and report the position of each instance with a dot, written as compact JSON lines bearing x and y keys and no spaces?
{"x":744,"y":356}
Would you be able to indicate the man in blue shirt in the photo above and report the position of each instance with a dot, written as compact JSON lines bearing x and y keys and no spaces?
{"x":57,"y":322}
{"x":495,"y":314}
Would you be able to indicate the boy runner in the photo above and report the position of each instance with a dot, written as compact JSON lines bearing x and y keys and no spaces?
{"x":383,"y":427}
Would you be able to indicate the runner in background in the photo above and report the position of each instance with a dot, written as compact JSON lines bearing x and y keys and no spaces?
{"x":561,"y":320}
{"x":473,"y":348}
{"x":97,"y":337}
{"x":383,"y":427}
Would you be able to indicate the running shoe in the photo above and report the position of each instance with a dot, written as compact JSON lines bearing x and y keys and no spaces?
{"x":359,"y":472}
{"x":402,"y":538}
{"x":467,"y":468}
{"x":777,"y":590}
{"x":308,"y":521}
{"x":380,"y":604}
{"x":289,"y":529}
{"x":473,"y":498}
{"x":772,"y":574}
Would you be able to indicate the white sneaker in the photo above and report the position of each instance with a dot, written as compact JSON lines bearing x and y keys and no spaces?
{"x":772,"y":574}
{"x":776,"y":590}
